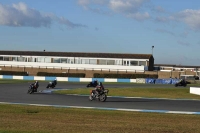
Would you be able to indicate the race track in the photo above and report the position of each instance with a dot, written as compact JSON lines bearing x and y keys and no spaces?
{"x":17,"y":93}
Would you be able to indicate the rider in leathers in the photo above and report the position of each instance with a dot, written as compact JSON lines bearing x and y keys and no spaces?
{"x":99,"y":88}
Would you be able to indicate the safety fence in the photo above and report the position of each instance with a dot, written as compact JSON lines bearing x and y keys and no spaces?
{"x":71,"y":79}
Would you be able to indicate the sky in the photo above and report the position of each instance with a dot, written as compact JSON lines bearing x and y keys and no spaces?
{"x":105,"y":26}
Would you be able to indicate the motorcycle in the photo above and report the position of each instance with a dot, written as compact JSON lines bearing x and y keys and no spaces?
{"x":181,"y":84}
{"x":51,"y":85}
{"x":91,"y":84}
{"x":102,"y":96}
{"x":31,"y":89}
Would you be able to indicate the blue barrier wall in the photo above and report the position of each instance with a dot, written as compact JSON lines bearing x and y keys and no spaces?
{"x":161,"y":81}
{"x":71,"y":79}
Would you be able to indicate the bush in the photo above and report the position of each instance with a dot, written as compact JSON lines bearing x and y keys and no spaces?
{"x":13,"y":73}
{"x":124,"y":76}
{"x":82,"y":75}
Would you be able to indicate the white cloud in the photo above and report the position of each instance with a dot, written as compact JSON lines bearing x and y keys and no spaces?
{"x":129,"y":8}
{"x":20,"y":14}
{"x":158,"y":9}
{"x":190,"y":17}
{"x":126,"y":5}
{"x":139,"y":16}
{"x":87,"y":2}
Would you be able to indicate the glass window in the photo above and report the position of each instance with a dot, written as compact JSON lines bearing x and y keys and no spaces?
{"x":1,"y":58}
{"x":56,"y":60}
{"x":134,"y":63}
{"x":21,"y":59}
{"x":102,"y":62}
{"x":142,"y":63}
{"x":63,"y":60}
{"x":72,"y":61}
{"x":124,"y":63}
{"x":93,"y":61}
{"x":14,"y":59}
{"x":77,"y":61}
{"x":85,"y":61}
{"x":118,"y":62}
{"x":6,"y":58}
{"x":47,"y":60}
{"x":110,"y":62}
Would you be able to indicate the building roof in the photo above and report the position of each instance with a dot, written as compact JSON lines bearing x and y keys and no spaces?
{"x":78,"y":54}
{"x":176,"y":66}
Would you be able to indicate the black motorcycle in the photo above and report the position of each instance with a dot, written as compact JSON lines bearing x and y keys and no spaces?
{"x":182,"y":83}
{"x":51,"y":84}
{"x":31,"y":89}
{"x":92,"y":84}
{"x":102,"y":96}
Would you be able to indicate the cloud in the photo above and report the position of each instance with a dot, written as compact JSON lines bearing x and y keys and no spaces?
{"x":183,"y":43}
{"x":165,"y":31}
{"x":128,"y":8}
{"x":158,"y":9}
{"x":189,"y":17}
{"x":20,"y":15}
{"x":161,"y":19}
{"x":139,"y":16}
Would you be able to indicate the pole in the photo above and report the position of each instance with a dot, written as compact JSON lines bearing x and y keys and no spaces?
{"x":152,"y":49}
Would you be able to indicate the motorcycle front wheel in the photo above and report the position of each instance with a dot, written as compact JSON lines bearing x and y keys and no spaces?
{"x":30,"y":91}
{"x":102,"y":98}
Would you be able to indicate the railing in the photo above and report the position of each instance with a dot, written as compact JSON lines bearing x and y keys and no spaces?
{"x":72,"y":68}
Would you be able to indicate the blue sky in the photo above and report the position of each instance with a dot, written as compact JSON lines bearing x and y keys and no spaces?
{"x":114,"y":26}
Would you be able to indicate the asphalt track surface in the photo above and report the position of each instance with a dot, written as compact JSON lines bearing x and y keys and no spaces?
{"x":17,"y":93}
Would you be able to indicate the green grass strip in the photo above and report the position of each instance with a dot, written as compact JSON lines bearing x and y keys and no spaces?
{"x":32,"y":119}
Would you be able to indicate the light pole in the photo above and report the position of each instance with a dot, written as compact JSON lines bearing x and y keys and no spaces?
{"x":152,"y":49}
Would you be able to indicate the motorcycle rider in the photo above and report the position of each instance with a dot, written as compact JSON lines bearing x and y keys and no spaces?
{"x":95,"y":82}
{"x":54,"y":82}
{"x":99,"y":88}
{"x":180,"y":81}
{"x":35,"y":85}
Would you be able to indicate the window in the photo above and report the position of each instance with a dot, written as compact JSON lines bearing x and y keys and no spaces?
{"x":93,"y":61}
{"x":63,"y":60}
{"x":110,"y":62}
{"x":72,"y":61}
{"x":118,"y":62}
{"x":56,"y":60}
{"x":77,"y":61}
{"x":6,"y":58}
{"x":134,"y":63}
{"x":126,"y":63}
{"x":21,"y":59}
{"x":85,"y":61}
{"x":102,"y":62}
{"x":1,"y":58}
{"x":142,"y":63}
{"x":14,"y":59}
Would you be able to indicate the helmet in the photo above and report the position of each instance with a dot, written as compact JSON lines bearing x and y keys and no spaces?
{"x":55,"y":79}
{"x":36,"y":81}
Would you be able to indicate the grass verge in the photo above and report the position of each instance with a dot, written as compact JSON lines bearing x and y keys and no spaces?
{"x":174,"y":93}
{"x":30,"y":119}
